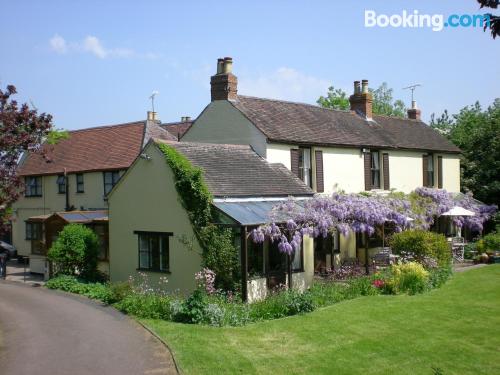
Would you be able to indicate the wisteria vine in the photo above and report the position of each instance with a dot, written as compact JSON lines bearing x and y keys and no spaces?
{"x":321,"y":215}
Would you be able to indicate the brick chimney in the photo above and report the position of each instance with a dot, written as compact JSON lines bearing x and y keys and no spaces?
{"x":414,"y":112}
{"x":224,"y":84}
{"x":361,"y":100}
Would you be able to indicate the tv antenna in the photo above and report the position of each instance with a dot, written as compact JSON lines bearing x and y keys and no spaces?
{"x":412,"y":88}
{"x":152,"y":97}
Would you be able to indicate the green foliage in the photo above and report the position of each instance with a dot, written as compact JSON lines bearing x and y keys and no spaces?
{"x":75,"y":251}
{"x":147,"y":306}
{"x":439,"y":276}
{"x":118,"y":292}
{"x":72,"y":284}
{"x":410,"y":277}
{"x":422,"y":244}
{"x":384,"y":104}
{"x":335,"y":99}
{"x":56,"y":135}
{"x":220,"y":256}
{"x":477,"y":133}
{"x":284,"y":303}
{"x":219,"y":253}
{"x":489,"y":243}
{"x":193,"y":308}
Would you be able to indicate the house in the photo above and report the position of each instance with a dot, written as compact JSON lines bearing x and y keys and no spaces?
{"x":150,"y":231}
{"x":75,"y":174}
{"x":353,"y":151}
{"x":329,"y":149}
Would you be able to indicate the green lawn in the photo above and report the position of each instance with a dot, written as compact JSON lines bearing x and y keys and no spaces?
{"x":455,"y":328}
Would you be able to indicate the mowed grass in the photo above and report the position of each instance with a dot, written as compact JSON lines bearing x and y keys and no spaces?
{"x":455,"y":328}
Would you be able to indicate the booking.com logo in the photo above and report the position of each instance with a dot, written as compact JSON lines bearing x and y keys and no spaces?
{"x":416,"y":20}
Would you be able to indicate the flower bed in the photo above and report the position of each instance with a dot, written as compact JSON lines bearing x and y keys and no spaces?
{"x":209,"y":306}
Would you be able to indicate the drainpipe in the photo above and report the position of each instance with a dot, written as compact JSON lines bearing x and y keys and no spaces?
{"x":66,"y":184}
{"x":244,"y":263}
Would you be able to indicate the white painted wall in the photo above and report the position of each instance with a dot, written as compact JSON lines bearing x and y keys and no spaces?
{"x":405,"y":169}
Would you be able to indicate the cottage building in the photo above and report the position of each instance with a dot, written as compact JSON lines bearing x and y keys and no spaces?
{"x":76,"y":174}
{"x":150,"y":231}
{"x":352,"y":151}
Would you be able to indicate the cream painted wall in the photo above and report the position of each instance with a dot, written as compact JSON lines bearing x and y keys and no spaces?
{"x":451,"y":173}
{"x":51,"y":201}
{"x":146,"y":200}
{"x":220,"y":122}
{"x":344,"y":168}
{"x":405,"y":170}
{"x":348,"y":246}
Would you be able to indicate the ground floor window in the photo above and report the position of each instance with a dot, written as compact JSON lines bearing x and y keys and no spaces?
{"x":255,"y":259}
{"x":33,"y":231}
{"x":102,"y":234}
{"x":154,"y":251}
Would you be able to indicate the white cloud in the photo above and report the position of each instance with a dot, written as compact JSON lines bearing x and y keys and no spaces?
{"x":58,"y":44}
{"x":93,"y":45}
{"x":284,"y":83}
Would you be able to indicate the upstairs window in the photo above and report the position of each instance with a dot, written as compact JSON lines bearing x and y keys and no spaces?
{"x":110,"y":180}
{"x":79,"y":183}
{"x":375,"y":169}
{"x":61,"y":184}
{"x":430,"y":170}
{"x":305,"y":170}
{"x":154,"y":254}
{"x":33,"y":185}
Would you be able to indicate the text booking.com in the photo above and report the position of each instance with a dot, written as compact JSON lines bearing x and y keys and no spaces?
{"x":414,"y":19}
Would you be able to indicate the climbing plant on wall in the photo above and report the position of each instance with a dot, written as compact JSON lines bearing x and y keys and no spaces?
{"x":219,"y":253}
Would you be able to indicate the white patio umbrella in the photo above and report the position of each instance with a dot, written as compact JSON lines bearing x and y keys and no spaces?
{"x":458,"y":211}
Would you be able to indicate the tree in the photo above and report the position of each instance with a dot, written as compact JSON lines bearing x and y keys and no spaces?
{"x":75,"y":251}
{"x":494,"y":21}
{"x":383,"y":102}
{"x":477,"y":133}
{"x":21,"y":130}
{"x":335,"y":99}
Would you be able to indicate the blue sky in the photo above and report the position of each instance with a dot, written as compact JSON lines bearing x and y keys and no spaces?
{"x":93,"y":63}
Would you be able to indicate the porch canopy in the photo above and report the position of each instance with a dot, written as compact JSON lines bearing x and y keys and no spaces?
{"x":77,"y":217}
{"x":251,"y":212}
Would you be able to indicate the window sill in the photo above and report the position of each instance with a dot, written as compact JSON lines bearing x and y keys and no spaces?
{"x":150,"y":270}
{"x":33,"y":196}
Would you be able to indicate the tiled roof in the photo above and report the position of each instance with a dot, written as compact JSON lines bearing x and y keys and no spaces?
{"x":237,"y":171}
{"x":93,"y":149}
{"x":282,"y":121}
{"x":177,"y":128}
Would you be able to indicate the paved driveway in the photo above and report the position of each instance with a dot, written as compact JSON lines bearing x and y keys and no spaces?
{"x":51,"y":333}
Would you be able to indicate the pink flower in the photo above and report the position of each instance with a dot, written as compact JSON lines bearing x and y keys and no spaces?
{"x":378,"y":283}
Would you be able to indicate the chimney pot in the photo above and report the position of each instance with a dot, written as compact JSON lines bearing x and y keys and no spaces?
{"x":357,"y":87}
{"x":364,"y":86}
{"x":361,"y":100}
{"x":224,"y":85}
{"x":220,"y":64}
{"x":228,"y":65}
{"x":151,"y":116}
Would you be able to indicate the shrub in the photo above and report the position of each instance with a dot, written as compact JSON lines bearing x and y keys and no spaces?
{"x":420,"y":244}
{"x":361,"y":286}
{"x":281,"y":304}
{"x":74,"y":285}
{"x":489,"y":243}
{"x":327,"y":293}
{"x":410,"y":277}
{"x":193,"y":308}
{"x":75,"y":251}
{"x":470,"y":250}
{"x":118,"y":292}
{"x":439,"y":276}
{"x":146,"y":306}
